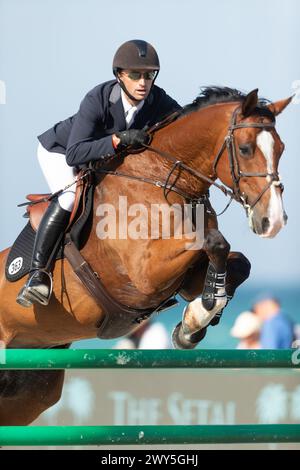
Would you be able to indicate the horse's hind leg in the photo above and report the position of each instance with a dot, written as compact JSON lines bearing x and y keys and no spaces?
{"x":24,"y":395}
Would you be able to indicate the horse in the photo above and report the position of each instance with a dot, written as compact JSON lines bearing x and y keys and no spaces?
{"x":223,"y":135}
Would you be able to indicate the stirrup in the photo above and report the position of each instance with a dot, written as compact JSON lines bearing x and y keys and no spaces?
{"x":29,"y":294}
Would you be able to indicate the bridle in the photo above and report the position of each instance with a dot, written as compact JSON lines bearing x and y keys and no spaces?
{"x":236,"y":173}
{"x":178,"y":165}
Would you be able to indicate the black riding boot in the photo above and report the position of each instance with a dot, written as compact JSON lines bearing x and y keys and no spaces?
{"x":38,"y":287}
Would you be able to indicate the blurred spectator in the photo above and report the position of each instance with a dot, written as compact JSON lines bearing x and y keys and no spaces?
{"x":148,"y":335}
{"x":247,"y":329}
{"x":277,"y":328}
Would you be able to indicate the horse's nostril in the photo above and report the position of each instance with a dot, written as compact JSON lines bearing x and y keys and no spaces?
{"x":265,"y":224}
{"x":285,"y":217}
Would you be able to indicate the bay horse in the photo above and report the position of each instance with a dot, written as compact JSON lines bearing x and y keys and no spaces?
{"x":224,"y":134}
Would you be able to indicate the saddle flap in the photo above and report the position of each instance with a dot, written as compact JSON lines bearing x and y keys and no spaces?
{"x":20,"y":255}
{"x":36,"y":210}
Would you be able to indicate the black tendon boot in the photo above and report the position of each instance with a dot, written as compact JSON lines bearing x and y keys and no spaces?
{"x":38,"y":287}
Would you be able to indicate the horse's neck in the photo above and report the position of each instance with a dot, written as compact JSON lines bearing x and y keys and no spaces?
{"x":194,"y":137}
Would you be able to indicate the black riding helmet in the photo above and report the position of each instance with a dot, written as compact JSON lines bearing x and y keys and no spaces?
{"x":135,"y":55}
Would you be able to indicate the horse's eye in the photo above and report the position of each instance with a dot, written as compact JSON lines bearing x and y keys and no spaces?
{"x":246,"y":150}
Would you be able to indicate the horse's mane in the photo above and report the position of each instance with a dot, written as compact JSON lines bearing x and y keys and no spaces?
{"x":215,"y":94}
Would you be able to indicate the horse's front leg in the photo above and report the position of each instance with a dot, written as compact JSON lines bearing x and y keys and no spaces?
{"x":201,"y":311}
{"x":193,"y":327}
{"x":238,"y":270}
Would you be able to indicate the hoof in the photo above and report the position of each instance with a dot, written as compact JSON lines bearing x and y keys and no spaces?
{"x":184,"y":341}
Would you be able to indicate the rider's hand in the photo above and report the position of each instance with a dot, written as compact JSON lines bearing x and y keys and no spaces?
{"x":134,"y":138}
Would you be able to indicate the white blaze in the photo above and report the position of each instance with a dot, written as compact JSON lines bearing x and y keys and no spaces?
{"x":265,"y":143}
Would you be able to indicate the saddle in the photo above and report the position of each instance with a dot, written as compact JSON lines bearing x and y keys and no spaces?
{"x":118,"y":319}
{"x":38,"y":203}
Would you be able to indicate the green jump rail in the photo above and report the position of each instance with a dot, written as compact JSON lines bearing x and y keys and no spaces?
{"x":147,"y":359}
{"x":143,"y":435}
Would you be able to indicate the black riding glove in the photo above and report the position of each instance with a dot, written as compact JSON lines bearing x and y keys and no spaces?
{"x":134,"y":138}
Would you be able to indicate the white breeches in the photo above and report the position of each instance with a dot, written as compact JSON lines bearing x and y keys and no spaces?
{"x":58,"y":174}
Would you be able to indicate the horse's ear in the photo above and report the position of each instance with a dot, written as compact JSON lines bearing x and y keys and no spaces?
{"x":279,"y":106}
{"x":250,"y":103}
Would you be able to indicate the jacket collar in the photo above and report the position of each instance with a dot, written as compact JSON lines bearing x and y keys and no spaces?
{"x":116,"y":107}
{"x":117,"y":110}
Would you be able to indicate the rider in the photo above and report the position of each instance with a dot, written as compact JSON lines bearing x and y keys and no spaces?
{"x":111,"y":117}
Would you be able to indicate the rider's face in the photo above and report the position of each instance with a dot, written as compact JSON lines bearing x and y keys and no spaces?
{"x":137,"y":82}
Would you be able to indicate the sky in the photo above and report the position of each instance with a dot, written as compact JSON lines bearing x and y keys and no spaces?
{"x":53,"y":52}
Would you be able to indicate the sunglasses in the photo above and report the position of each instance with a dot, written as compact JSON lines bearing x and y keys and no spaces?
{"x":138,"y":75}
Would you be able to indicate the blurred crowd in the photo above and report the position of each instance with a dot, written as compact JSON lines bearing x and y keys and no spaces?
{"x":148,"y":335}
{"x":264,"y":326}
